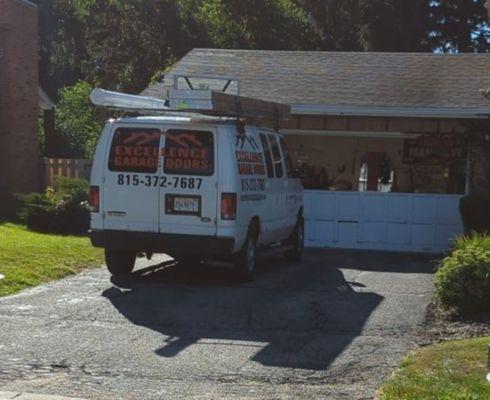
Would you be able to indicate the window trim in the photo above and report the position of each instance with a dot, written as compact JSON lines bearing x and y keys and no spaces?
{"x":278,"y":161}
{"x":267,"y":151}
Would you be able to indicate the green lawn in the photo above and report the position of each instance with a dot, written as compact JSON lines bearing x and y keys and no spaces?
{"x":452,"y":370}
{"x":29,"y":258}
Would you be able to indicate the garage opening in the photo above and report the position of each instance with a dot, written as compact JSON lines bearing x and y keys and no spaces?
{"x":396,"y":192}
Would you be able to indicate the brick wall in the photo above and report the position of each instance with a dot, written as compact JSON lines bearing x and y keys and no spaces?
{"x":19,"y":49}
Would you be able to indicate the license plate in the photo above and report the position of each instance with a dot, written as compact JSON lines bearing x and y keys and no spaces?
{"x":185,"y":205}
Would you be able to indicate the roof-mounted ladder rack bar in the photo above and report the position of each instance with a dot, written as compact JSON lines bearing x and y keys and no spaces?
{"x":202,"y":101}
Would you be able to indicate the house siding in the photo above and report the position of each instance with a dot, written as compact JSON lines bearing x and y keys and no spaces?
{"x":19,"y":49}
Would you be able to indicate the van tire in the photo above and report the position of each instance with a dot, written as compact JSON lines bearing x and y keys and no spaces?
{"x":297,"y":240}
{"x":245,"y":260}
{"x":120,"y":262}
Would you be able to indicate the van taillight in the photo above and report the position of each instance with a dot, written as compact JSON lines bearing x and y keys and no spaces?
{"x":94,"y":198}
{"x":228,"y":206}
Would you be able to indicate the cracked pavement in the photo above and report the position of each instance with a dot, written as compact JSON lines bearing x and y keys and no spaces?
{"x":333,"y":326}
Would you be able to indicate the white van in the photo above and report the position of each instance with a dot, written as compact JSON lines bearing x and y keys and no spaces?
{"x":192,"y":186}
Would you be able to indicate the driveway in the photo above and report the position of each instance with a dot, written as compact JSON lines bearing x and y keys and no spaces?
{"x":333,"y":326}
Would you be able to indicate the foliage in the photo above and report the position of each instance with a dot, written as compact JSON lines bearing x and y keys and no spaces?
{"x":29,"y":258}
{"x":63,"y":209}
{"x":460,"y":26}
{"x":475,"y":211}
{"x":124,"y":44}
{"x":146,"y":37}
{"x":254,"y":24}
{"x":78,"y":122}
{"x":10,"y":206}
{"x":452,"y":370}
{"x":463,"y":278}
{"x":121,"y":44}
{"x":370,"y":25}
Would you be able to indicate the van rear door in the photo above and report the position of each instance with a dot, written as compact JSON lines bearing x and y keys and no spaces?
{"x":131,"y":183}
{"x":188,"y":193}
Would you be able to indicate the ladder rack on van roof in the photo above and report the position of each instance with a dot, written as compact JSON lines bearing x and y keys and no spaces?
{"x":201,"y":100}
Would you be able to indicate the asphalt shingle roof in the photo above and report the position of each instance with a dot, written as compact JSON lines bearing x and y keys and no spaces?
{"x":345,"y":79}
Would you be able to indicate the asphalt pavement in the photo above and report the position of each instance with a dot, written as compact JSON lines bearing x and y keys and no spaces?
{"x":333,"y":326}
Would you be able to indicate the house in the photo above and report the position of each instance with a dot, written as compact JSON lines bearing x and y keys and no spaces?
{"x":21,"y":98}
{"x":381,"y":139}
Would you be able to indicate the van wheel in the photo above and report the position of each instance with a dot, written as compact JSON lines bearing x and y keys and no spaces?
{"x":120,"y":262}
{"x":297,"y":240}
{"x":246,"y":258}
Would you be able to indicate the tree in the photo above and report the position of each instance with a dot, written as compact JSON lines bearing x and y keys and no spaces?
{"x":460,"y":26}
{"x":395,"y":25}
{"x":254,"y":24}
{"x":78,"y":122}
{"x":120,"y":43}
{"x":370,"y":25}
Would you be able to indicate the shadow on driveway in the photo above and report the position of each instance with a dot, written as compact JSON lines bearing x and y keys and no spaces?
{"x":297,"y":315}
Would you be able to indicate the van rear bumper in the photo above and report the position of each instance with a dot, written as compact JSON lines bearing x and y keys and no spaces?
{"x":162,"y":242}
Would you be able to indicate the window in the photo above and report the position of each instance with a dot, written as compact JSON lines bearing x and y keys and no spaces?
{"x":276,"y":154}
{"x":287,"y":158}
{"x":188,"y":152}
{"x":134,"y":150}
{"x":268,"y":155}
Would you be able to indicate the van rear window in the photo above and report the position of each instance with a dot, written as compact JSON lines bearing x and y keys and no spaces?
{"x":188,"y":152}
{"x":134,"y":150}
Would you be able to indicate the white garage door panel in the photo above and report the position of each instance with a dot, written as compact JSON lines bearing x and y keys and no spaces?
{"x":382,"y":221}
{"x":348,"y":232}
{"x":307,"y":199}
{"x":374,"y":207}
{"x":323,"y":207}
{"x":423,"y":208}
{"x":423,"y":234}
{"x":399,"y":208}
{"x":373,"y":232}
{"x":323,"y":232}
{"x":445,"y":235}
{"x":347,"y":206}
{"x":398,"y":234}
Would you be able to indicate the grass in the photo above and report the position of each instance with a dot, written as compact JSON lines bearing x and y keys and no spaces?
{"x":28,"y":258}
{"x":453,"y":370}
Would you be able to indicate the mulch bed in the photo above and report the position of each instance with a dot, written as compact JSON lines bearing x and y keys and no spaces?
{"x":442,"y":325}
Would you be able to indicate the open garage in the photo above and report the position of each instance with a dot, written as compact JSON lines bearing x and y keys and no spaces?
{"x":383,"y":142}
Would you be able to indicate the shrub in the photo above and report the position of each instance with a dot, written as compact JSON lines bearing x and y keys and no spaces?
{"x":475,"y":211}
{"x":63,"y":209}
{"x":9,"y":206}
{"x":463,"y":279}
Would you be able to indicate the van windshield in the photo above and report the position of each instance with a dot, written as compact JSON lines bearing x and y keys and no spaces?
{"x":188,"y":152}
{"x":134,"y":150}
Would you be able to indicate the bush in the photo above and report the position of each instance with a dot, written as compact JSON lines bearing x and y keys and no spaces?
{"x":475,"y":211}
{"x":63,"y":209}
{"x":9,"y":206}
{"x":463,"y":279}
